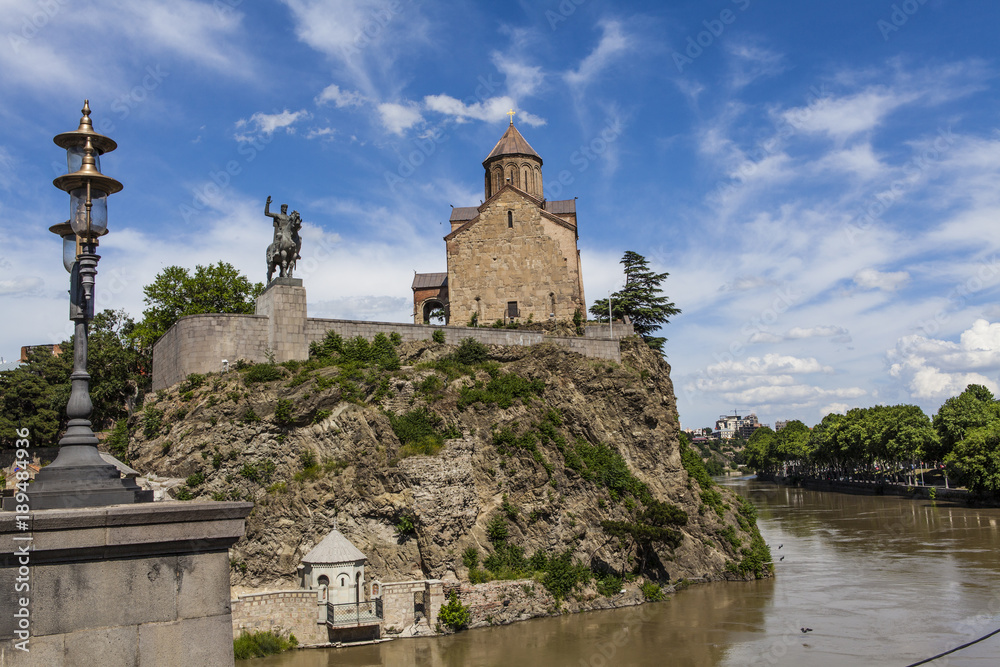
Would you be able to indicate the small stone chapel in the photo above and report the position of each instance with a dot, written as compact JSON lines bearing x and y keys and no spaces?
{"x":512,"y":257}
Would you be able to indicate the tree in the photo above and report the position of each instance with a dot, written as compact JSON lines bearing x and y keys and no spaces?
{"x":34,"y":396}
{"x":975,"y":460}
{"x":760,"y":452}
{"x":973,"y":408}
{"x":174,"y":293}
{"x":642,"y":300}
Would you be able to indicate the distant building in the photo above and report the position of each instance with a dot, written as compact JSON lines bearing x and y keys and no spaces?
{"x":778,"y":425}
{"x":730,"y":426}
{"x":26,"y":350}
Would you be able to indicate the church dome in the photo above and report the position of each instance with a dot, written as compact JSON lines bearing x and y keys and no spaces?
{"x":513,"y":161}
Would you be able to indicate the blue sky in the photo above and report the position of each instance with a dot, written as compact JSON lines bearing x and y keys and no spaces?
{"x":819,"y":179}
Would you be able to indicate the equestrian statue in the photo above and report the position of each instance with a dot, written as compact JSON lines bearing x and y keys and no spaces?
{"x":284,"y":249}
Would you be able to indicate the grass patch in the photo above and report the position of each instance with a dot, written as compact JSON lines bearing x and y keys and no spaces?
{"x":420,"y":432}
{"x":261,"y":644}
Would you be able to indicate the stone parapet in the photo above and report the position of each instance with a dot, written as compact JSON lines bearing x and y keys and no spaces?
{"x":199,"y":343}
{"x":295,"y":611}
{"x":124,"y":585}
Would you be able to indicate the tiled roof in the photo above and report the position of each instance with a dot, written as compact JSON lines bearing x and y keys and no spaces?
{"x":463,"y":213}
{"x":334,"y":548}
{"x":561,"y":207}
{"x":425,"y":280}
{"x":512,"y":143}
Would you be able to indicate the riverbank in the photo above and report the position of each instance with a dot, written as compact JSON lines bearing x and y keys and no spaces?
{"x":917,"y":492}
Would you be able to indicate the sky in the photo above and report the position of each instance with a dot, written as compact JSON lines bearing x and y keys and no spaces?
{"x":820,"y":180}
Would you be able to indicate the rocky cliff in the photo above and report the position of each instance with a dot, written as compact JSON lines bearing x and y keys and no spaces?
{"x":423,"y":450}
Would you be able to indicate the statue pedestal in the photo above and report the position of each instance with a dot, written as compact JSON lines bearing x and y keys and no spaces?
{"x":123,"y":585}
{"x":283,"y":302}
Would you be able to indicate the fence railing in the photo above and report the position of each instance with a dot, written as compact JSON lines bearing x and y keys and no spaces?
{"x":354,"y":613}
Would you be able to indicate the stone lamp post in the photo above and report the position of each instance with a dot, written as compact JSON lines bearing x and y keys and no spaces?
{"x":79,"y":477}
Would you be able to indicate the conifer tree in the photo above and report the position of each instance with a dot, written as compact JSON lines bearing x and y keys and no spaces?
{"x":642,"y":300}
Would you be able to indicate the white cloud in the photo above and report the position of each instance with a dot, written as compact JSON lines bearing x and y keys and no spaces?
{"x":838,"y":408}
{"x":843,"y":117}
{"x":521,"y":79}
{"x":27,"y":286}
{"x":42,"y":42}
{"x":341,"y":98}
{"x":938,"y":369}
{"x":397,"y":118}
{"x":758,"y":337}
{"x":827,"y":331}
{"x":769,"y":363}
{"x":800,"y":393}
{"x":321,"y":133}
{"x":752,"y":62}
{"x":262,"y":123}
{"x":887,"y":282}
{"x":613,"y":44}
{"x":491,"y":110}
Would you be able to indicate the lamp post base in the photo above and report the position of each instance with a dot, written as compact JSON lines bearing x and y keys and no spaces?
{"x":79,"y":477}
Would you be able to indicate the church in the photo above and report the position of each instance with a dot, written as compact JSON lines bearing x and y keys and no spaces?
{"x":512,"y":258}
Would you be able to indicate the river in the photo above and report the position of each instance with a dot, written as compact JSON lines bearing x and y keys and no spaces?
{"x":880,"y":580}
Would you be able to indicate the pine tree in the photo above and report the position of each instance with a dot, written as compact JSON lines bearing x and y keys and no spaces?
{"x":642,"y":300}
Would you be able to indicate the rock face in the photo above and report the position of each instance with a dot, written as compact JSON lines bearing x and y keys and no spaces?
{"x":317,"y":444}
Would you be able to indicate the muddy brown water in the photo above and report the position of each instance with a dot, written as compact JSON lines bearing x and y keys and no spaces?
{"x":880,"y":580}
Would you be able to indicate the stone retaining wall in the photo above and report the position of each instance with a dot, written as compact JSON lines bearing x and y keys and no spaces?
{"x":282,"y":612}
{"x":502,"y":602}
{"x":199,"y":343}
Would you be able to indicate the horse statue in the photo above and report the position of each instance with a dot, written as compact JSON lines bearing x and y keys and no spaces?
{"x":284,"y":249}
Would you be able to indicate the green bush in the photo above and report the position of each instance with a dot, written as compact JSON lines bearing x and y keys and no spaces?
{"x":438,"y":336}
{"x":406,"y":525}
{"x":193,"y":381}
{"x":321,"y":416}
{"x":502,"y":389}
{"x":609,"y":585}
{"x":652,"y":591}
{"x":118,"y":440}
{"x":195,"y":479}
{"x":471,"y":352}
{"x":419,"y":432}
{"x":454,"y":614}
{"x":263,"y":373}
{"x":470,"y":557}
{"x":496,"y":529}
{"x":152,"y":420}
{"x":250,"y":417}
{"x":283,"y":412}
{"x":261,"y":644}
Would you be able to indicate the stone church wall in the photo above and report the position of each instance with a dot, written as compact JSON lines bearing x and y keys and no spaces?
{"x":534,"y":263}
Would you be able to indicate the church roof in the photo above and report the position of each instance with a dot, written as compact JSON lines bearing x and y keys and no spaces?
{"x":512,"y":143}
{"x":334,"y":548}
{"x":425,"y":280}
{"x":464,"y":213}
{"x":561,"y":206}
